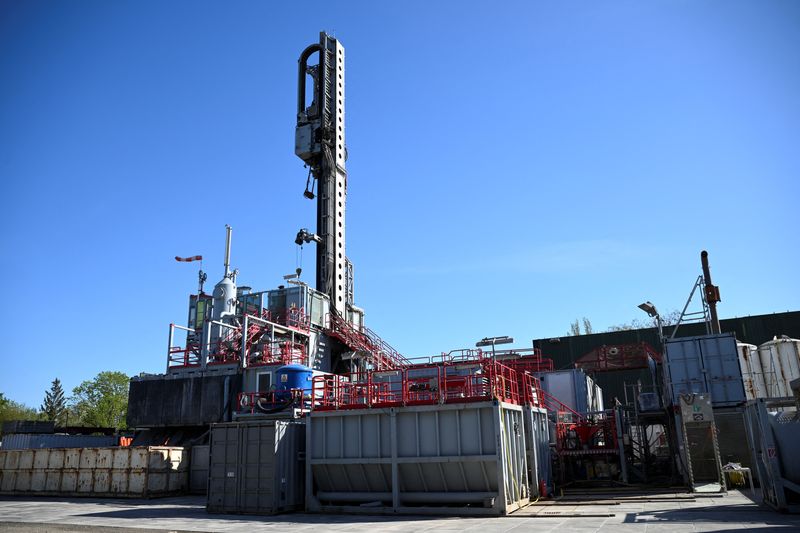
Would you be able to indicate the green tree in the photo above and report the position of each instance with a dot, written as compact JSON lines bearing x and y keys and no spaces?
{"x":54,"y":407}
{"x":102,"y":401}
{"x":11,"y":410}
{"x":575,"y":327}
{"x":667,"y":319}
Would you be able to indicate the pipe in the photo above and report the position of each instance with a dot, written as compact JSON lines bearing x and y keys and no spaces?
{"x":228,"y":230}
{"x":302,"y":67}
{"x":409,"y":497}
{"x":712,"y":293}
{"x":169,"y":342}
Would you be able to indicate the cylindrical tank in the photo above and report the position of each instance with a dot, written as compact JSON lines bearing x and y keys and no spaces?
{"x":292,"y":377}
{"x":752,"y":374}
{"x":223,"y":306}
{"x":224,"y":298}
{"x":780,"y":361}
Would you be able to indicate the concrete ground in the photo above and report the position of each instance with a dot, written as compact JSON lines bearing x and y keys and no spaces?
{"x":672,"y":513}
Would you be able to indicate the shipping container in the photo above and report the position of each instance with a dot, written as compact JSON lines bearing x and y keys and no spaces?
{"x":704,"y":364}
{"x":133,"y":472}
{"x":198,"y":469}
{"x":537,"y":444}
{"x":256,"y":467}
{"x":25,"y":441}
{"x":573,"y":388}
{"x":463,"y":459}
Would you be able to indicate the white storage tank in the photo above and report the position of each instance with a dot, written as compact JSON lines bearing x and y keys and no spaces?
{"x":780,"y":363}
{"x":752,"y":374}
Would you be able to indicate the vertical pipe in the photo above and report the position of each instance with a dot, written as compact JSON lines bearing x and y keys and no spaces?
{"x":228,"y":230}
{"x":169,"y":343}
{"x":244,"y":340}
{"x":712,"y":293}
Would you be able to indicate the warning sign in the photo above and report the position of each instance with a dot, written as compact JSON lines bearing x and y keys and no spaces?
{"x":772,"y":453}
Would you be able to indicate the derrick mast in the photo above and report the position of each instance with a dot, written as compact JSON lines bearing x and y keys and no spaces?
{"x":320,"y":143}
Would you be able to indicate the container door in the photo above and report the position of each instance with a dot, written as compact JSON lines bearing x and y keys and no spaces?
{"x":257,"y":468}
{"x":685,"y":367}
{"x":723,"y":374}
{"x":223,"y":490}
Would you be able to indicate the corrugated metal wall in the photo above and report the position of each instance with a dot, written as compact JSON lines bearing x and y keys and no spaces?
{"x":567,"y":349}
{"x":24,"y":441}
{"x":256,"y":467}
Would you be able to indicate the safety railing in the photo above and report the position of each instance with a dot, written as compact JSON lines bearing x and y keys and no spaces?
{"x":278,"y":353}
{"x":531,"y":390}
{"x":525,"y":360}
{"x":227,"y":349}
{"x":291,"y":317}
{"x":182,"y":356}
{"x":179,"y":356}
{"x":563,"y":411}
{"x":382,"y":356}
{"x":453,"y":356}
{"x":418,"y":385}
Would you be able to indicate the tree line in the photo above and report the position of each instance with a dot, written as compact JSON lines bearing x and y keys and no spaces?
{"x":98,"y":402}
{"x":668,"y":319}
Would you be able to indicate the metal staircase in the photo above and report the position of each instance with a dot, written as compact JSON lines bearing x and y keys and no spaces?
{"x":379,"y":353}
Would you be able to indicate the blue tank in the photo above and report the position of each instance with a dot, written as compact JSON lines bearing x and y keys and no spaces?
{"x":292,"y":377}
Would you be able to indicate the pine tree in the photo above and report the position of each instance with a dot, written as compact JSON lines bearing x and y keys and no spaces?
{"x":55,"y":405}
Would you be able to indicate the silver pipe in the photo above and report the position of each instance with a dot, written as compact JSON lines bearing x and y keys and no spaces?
{"x":223,"y":324}
{"x":228,"y":230}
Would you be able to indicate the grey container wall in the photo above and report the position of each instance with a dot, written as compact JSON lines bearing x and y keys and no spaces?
{"x":705,"y":364}
{"x":198,"y":469}
{"x":455,"y":458}
{"x":537,"y":445}
{"x":773,"y":434}
{"x":256,"y":467}
{"x":25,"y":441}
{"x":573,"y":388}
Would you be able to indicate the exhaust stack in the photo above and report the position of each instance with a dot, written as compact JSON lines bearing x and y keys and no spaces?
{"x":712,"y":293}
{"x":228,"y":229}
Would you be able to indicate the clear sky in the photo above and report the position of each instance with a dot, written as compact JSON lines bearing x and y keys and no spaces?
{"x":513,"y":166}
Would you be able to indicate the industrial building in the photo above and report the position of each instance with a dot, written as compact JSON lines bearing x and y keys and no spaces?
{"x":282,"y":399}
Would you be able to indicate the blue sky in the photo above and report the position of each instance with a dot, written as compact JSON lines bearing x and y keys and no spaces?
{"x":512,"y":166}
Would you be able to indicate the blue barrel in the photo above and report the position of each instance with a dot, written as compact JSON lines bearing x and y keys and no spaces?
{"x":292,"y":377}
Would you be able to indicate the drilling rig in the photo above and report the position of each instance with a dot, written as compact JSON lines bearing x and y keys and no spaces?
{"x":242,"y":348}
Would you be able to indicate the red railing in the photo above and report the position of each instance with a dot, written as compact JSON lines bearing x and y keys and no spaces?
{"x":292,"y":317}
{"x":280,"y":353}
{"x":420,"y":385}
{"x":608,"y":358}
{"x":525,"y":360}
{"x":382,"y":356}
{"x":178,"y":356}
